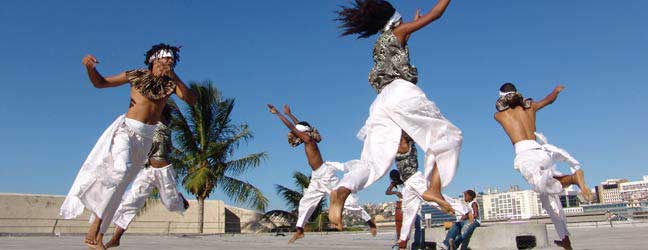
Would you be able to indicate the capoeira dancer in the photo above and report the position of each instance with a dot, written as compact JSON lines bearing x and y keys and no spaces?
{"x":158,"y":174}
{"x":121,"y":151}
{"x":536,"y":161}
{"x":414,"y":187}
{"x":399,"y":106}
{"x":323,"y":178}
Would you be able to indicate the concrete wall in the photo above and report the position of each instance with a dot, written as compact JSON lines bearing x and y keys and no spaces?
{"x":501,"y":236}
{"x":28,"y":213}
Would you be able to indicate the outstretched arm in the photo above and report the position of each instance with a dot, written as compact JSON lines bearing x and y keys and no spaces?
{"x":97,"y":79}
{"x":403,"y":31}
{"x":289,"y":114}
{"x":288,"y":124}
{"x":549,"y":99}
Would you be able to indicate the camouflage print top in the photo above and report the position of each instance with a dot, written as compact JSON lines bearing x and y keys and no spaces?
{"x":391,"y":62}
{"x":161,"y":143}
{"x":407,"y":163}
{"x":151,"y":87}
{"x":512,"y":100}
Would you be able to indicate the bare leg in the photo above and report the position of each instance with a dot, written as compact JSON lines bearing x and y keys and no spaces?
{"x":433,"y":194}
{"x":91,"y":236}
{"x":298,"y":235}
{"x":564,"y":243}
{"x":578,"y":178}
{"x":338,"y":197}
{"x":100,"y":245}
{"x":114,"y":241}
{"x":372,"y":227}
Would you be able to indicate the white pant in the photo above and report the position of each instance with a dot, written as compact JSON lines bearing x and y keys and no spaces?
{"x":401,"y":105}
{"x":551,"y":203}
{"x":323,"y":180}
{"x":537,"y":164}
{"x":413,"y":198}
{"x":161,"y":178}
{"x":113,"y":163}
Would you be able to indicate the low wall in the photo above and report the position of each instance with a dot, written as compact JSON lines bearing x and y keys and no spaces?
{"x":500,"y":236}
{"x":38,"y":214}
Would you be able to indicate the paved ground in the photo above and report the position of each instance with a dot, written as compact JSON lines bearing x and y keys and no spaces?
{"x":590,"y":239}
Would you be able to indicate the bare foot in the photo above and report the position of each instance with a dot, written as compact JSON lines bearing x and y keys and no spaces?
{"x":92,"y":243}
{"x":565,"y":243}
{"x":402,"y":244}
{"x":298,"y":235}
{"x":112,"y":243}
{"x":438,"y":199}
{"x":338,"y":197}
{"x":580,"y":181}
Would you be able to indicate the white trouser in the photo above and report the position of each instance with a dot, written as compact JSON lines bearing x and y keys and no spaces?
{"x":413,"y":198}
{"x":551,"y":203}
{"x":537,"y":164}
{"x":323,"y":180}
{"x":117,"y":157}
{"x":402,"y":106}
{"x":161,"y":178}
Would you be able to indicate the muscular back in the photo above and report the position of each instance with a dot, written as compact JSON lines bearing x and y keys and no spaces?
{"x":519,"y":123}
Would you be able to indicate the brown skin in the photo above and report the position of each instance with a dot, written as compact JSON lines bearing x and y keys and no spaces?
{"x":141,"y":109}
{"x":520,"y":124}
{"x":310,"y":146}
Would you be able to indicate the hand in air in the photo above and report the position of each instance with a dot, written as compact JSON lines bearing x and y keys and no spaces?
{"x":417,"y":15}
{"x":559,"y":88}
{"x":272,"y":109}
{"x":286,"y":109}
{"x":89,"y":61}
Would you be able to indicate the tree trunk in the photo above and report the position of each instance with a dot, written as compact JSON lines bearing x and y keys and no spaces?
{"x":201,"y":214}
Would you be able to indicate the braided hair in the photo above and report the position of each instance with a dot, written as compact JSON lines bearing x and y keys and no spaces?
{"x":364,"y":17}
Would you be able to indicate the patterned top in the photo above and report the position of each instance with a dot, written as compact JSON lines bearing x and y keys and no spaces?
{"x":151,"y":87}
{"x":407,"y":163}
{"x":161,"y":143}
{"x":391,"y":62}
{"x":512,"y":100}
{"x":295,"y":141}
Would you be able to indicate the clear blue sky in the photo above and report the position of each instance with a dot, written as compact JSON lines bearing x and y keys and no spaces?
{"x":289,"y":51}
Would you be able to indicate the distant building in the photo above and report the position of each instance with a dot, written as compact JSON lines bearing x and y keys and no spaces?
{"x":620,"y":208}
{"x":514,"y":204}
{"x":609,"y":192}
{"x":634,"y":192}
{"x":573,"y":210}
{"x":569,"y":198}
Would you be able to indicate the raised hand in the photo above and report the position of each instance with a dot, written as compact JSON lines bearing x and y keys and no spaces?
{"x":417,"y":15}
{"x":89,"y":61}
{"x":559,"y":88}
{"x":287,"y":109}
{"x":272,"y":109}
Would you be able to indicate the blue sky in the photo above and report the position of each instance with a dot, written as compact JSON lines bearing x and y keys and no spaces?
{"x":290,"y":51}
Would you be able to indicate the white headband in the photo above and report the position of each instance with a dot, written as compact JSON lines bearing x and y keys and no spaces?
{"x":393,"y":21}
{"x":506,"y":93}
{"x":302,"y":128}
{"x":160,"y":54}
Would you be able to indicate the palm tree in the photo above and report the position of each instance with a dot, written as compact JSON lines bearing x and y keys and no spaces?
{"x":205,"y":139}
{"x":292,"y":197}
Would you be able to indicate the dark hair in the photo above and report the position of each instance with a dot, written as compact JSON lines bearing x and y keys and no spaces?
{"x":364,"y":17}
{"x":395,"y":177}
{"x":471,"y":193}
{"x":508,"y":87}
{"x":162,"y":46}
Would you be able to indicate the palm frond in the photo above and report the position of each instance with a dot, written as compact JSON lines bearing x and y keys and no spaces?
{"x":290,"y":197}
{"x":243,"y":192}
{"x":241,"y":165}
